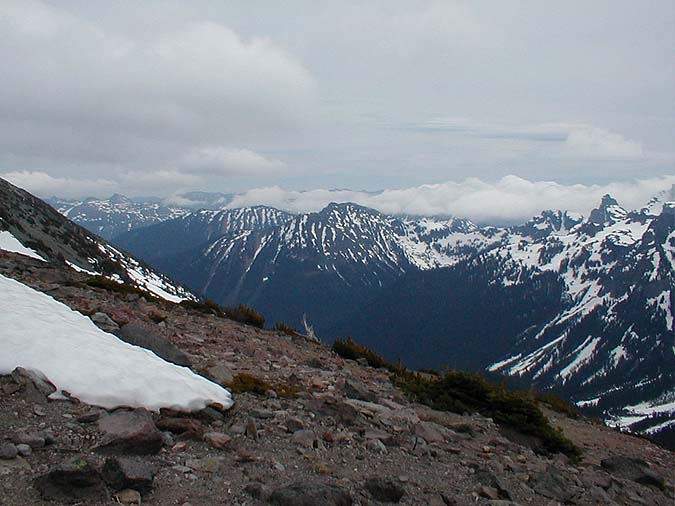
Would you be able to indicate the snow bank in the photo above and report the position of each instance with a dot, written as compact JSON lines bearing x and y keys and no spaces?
{"x":10,"y":243}
{"x":39,"y":333}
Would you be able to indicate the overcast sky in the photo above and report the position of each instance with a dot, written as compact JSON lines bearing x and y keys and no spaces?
{"x":158,"y":97}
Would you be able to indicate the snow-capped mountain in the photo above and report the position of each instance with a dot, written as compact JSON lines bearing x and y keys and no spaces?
{"x":40,"y":228}
{"x":110,"y":217}
{"x":582,"y":306}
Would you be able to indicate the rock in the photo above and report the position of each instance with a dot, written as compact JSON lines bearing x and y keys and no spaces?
{"x":310,"y":494}
{"x":104,"y":322}
{"x":632,"y":469}
{"x":217,"y":439}
{"x":375,"y":445}
{"x":488,"y":492}
{"x":500,"y":502}
{"x":430,"y":432}
{"x":206,"y":464}
{"x":385,"y":490}
{"x":553,"y":485}
{"x":90,"y":416}
{"x":220,"y":373}
{"x":138,"y":335}
{"x":381,"y":435}
{"x":251,"y":429}
{"x":257,"y":491}
{"x":356,"y":390}
{"x":305,"y":437}
{"x":76,"y":479}
{"x":339,"y":411}
{"x":131,"y":432}
{"x":8,"y":451}
{"x":128,"y":496}
{"x":187,"y":427}
{"x":129,"y":472}
{"x":489,"y":480}
{"x":24,"y":450}
{"x":209,"y":415}
{"x":34,"y":439}
{"x":39,"y":410}
{"x":294,"y":425}
{"x":36,"y":385}
{"x":362,"y":361}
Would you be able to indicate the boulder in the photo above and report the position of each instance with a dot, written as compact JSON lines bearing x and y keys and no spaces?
{"x":310,"y":494}
{"x":186,"y":427}
{"x":384,"y":489}
{"x":129,"y":472}
{"x":8,"y":451}
{"x":35,"y":384}
{"x":430,"y":432}
{"x":632,"y":469}
{"x":139,"y":335}
{"x":128,"y":496}
{"x":131,"y":432}
{"x":357,"y":390}
{"x":77,"y":479}
{"x":104,"y":322}
{"x":217,"y":439}
{"x":552,"y":484}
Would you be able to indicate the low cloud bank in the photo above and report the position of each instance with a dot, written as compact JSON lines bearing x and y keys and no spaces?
{"x":511,"y":199}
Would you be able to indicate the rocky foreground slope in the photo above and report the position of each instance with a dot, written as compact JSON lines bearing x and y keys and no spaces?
{"x":322,"y":430}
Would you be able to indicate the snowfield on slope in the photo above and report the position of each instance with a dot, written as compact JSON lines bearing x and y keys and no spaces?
{"x":42,"y":334}
{"x":10,"y":243}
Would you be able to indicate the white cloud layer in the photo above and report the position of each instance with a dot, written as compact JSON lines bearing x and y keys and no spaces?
{"x":78,"y":92}
{"x":510,"y":200}
{"x":42,"y":184}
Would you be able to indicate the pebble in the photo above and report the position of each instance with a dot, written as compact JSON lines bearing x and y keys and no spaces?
{"x":24,"y":450}
{"x":8,"y":451}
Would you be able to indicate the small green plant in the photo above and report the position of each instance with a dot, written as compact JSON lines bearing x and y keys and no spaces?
{"x":245,"y":382}
{"x":557,"y":404}
{"x":285,"y":329}
{"x":246,"y":315}
{"x":206,"y":307}
{"x":350,"y":350}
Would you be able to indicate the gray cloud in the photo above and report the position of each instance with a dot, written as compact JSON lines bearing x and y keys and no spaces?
{"x":172,"y":95}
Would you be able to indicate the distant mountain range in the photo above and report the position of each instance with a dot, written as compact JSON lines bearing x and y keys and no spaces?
{"x":582,"y":306}
{"x":118,"y":214}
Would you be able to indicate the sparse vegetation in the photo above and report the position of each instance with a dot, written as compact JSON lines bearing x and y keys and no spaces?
{"x":350,"y":350}
{"x":206,"y":307}
{"x":285,"y":329}
{"x":461,"y":392}
{"x":245,"y":382}
{"x":246,"y":315}
{"x":557,"y":404}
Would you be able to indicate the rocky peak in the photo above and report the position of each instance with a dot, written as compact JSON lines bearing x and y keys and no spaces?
{"x":609,"y":211}
{"x":118,"y":199}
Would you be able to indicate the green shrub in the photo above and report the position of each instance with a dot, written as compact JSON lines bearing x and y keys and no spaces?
{"x":461,"y":392}
{"x":350,"y":350}
{"x":285,"y":329}
{"x":245,"y":382}
{"x":206,"y":307}
{"x":557,"y":404}
{"x":246,"y":315}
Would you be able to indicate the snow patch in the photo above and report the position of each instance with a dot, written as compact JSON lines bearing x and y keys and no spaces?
{"x":10,"y":243}
{"x":41,"y":334}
